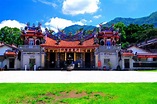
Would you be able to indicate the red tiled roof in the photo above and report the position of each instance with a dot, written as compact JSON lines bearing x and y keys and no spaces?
{"x":69,"y":44}
{"x":30,"y":31}
{"x":147,"y":55}
{"x":10,"y":53}
{"x":127,"y":54}
{"x":108,"y":34}
{"x":3,"y":44}
{"x":33,"y":33}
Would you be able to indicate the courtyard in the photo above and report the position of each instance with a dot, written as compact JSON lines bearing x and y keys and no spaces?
{"x":76,"y":76}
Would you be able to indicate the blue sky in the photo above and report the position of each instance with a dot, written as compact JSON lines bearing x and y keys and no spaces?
{"x":61,"y":13}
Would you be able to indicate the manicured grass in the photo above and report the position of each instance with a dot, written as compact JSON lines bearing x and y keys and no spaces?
{"x":148,"y":70}
{"x":79,"y":93}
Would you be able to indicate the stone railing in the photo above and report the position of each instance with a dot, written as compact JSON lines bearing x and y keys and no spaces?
{"x":109,"y":48}
{"x":29,"y":48}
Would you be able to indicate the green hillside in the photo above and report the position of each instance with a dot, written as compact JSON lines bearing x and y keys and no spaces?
{"x":75,"y":28}
{"x":151,"y":19}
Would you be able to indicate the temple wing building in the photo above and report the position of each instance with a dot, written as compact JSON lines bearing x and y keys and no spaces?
{"x":107,"y":54}
{"x":32,"y":55}
{"x":142,"y":56}
{"x":9,"y":56}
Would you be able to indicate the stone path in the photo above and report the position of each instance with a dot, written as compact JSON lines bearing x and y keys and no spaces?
{"x":76,"y":76}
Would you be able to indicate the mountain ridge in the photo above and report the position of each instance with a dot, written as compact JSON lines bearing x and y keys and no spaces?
{"x":74,"y":28}
{"x":151,"y":19}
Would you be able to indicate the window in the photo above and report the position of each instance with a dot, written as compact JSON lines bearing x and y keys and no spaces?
{"x":31,"y":42}
{"x":106,"y":61}
{"x":154,"y":59}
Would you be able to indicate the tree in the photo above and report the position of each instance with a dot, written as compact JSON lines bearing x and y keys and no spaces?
{"x":121,"y":28}
{"x":10,"y":35}
{"x":134,"y":33}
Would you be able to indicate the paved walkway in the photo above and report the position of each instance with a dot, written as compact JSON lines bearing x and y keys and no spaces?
{"x":76,"y":76}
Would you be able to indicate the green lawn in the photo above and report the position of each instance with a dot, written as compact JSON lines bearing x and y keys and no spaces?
{"x":148,"y":70}
{"x":79,"y":93}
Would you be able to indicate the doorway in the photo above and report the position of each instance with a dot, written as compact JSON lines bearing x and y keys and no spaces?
{"x":32,"y":63}
{"x":107,"y":63}
{"x":37,"y":42}
{"x":62,"y":60}
{"x":70,"y":58}
{"x":87,"y":60}
{"x":126,"y":63}
{"x":52,"y":60}
{"x":11,"y":63}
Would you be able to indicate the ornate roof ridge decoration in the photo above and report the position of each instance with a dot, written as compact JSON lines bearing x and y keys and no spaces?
{"x":33,"y":28}
{"x":81,"y":36}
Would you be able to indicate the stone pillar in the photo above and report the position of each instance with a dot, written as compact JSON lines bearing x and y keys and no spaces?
{"x":83,"y":58}
{"x":58,"y":59}
{"x":117,"y":61}
{"x":22,"y":59}
{"x":25,"y":67}
{"x":91,"y":60}
{"x":74,"y":56}
{"x":65,"y":56}
{"x":40,"y":56}
{"x":48,"y":59}
{"x":96,"y":60}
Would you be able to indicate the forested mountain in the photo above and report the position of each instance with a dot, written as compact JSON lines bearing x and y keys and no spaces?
{"x":151,"y":19}
{"x":75,"y":28}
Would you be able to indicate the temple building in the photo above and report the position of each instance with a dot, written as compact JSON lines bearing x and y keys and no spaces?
{"x":82,"y":50}
{"x":63,"y":50}
{"x":150,"y":45}
{"x":107,"y":54}
{"x":141,"y":56}
{"x":32,"y":55}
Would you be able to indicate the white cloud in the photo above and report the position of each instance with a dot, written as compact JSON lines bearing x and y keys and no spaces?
{"x":14,"y":23}
{"x":104,"y":22}
{"x":101,"y":23}
{"x":75,"y":7}
{"x":61,"y":23}
{"x":97,"y":16}
{"x":90,"y":21}
{"x":11,"y":23}
{"x":46,"y":2}
{"x":83,"y":21}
